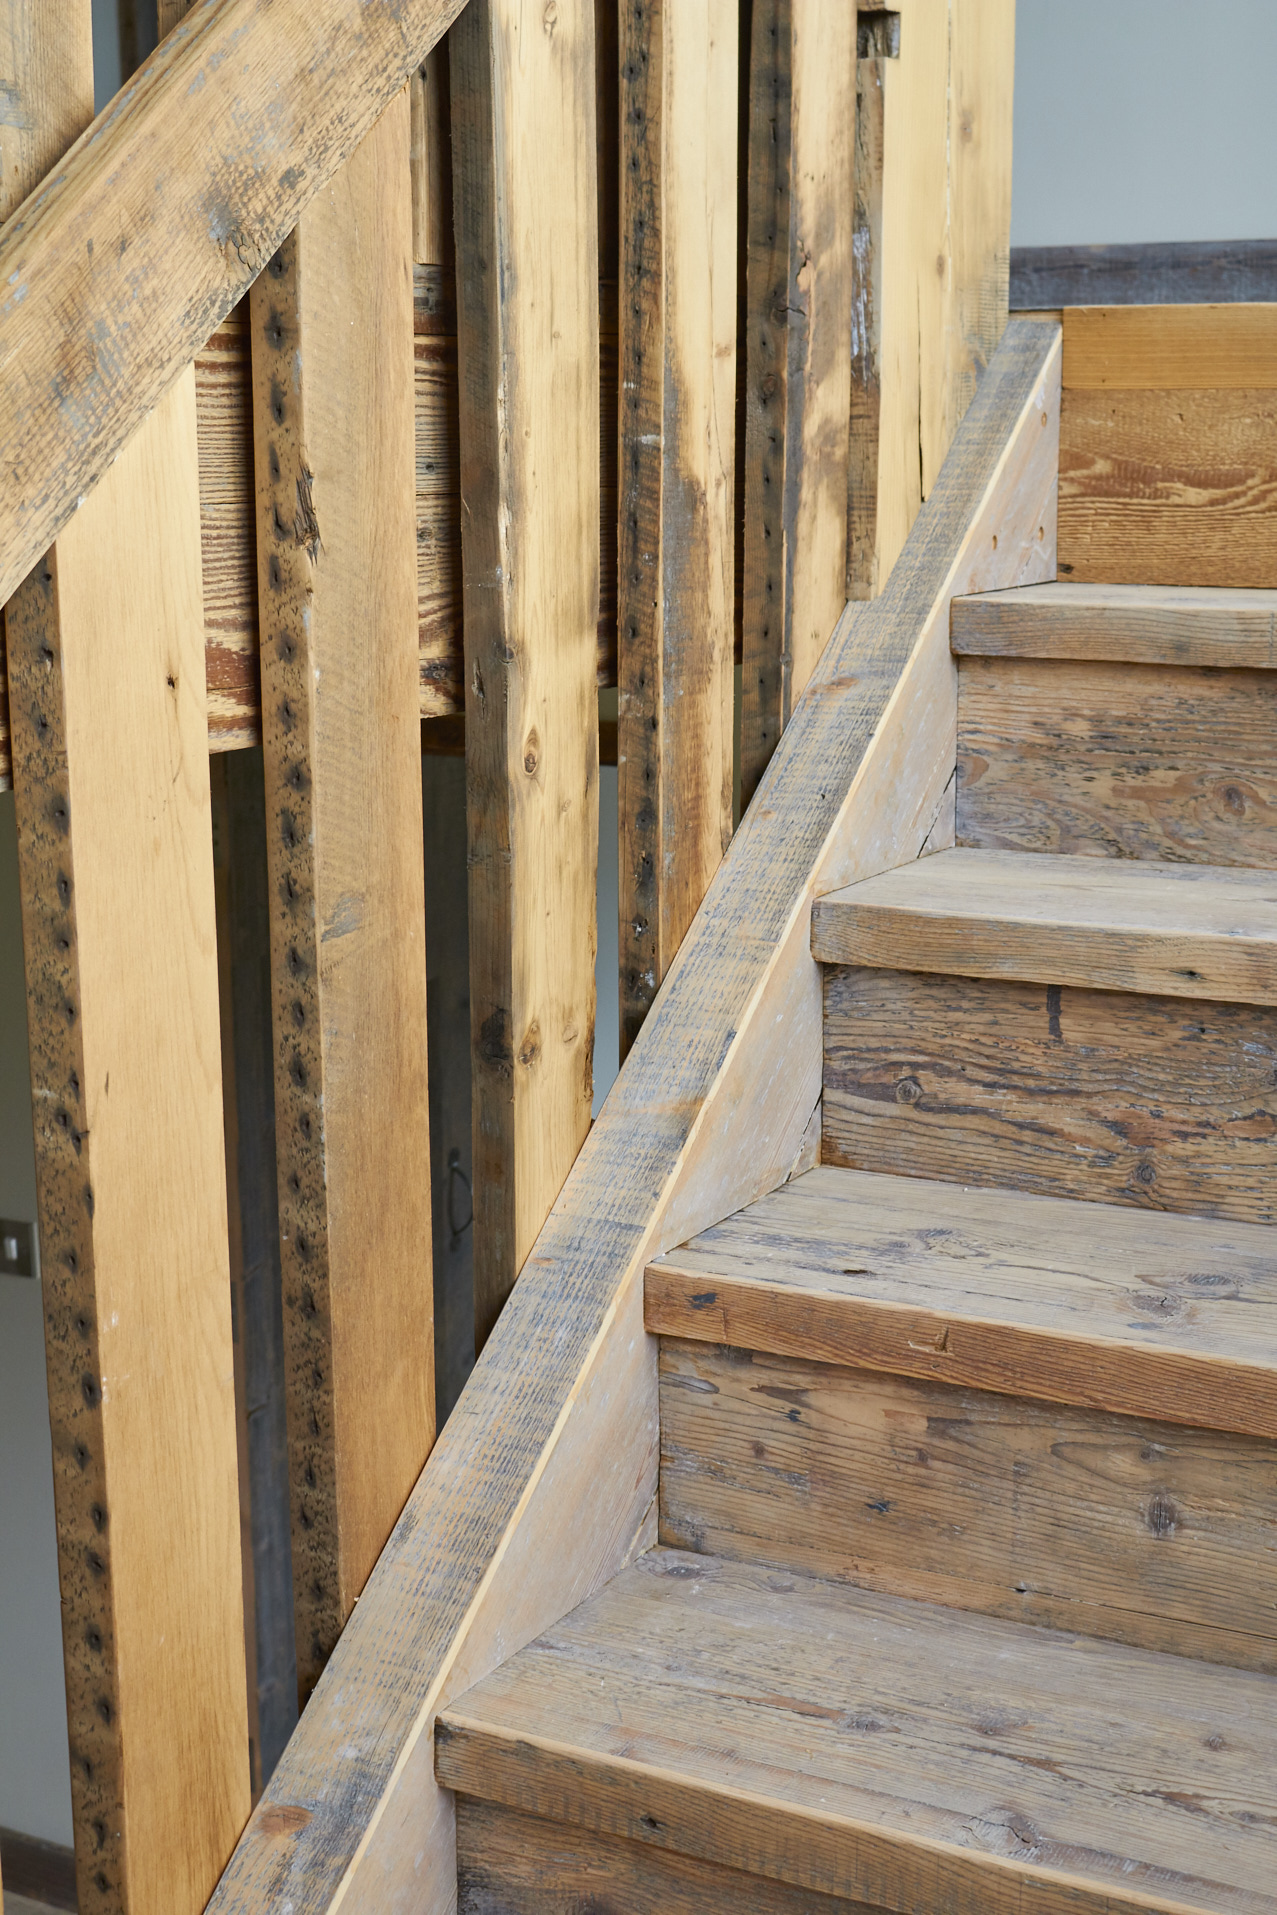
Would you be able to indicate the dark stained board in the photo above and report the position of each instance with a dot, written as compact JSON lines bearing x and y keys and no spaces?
{"x":1161,"y":273}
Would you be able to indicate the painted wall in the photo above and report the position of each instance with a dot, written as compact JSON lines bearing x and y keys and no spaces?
{"x":1135,"y":119}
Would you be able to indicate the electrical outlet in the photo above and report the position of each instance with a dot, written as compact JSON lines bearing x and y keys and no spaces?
{"x":17,"y":1249}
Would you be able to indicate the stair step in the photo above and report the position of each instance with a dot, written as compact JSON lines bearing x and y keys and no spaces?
{"x":1132,"y":624}
{"x":1112,"y":1097}
{"x":1183,"y":930}
{"x":1098,"y":1304}
{"x":887,"y":1752}
{"x":1117,"y":761}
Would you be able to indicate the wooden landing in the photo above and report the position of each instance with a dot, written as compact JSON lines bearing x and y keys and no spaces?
{"x":908,"y":1756}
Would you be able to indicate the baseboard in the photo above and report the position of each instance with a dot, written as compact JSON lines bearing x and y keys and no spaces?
{"x":42,"y":1871}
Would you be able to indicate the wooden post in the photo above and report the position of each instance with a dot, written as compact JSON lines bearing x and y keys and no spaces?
{"x":878,"y":40}
{"x":802,"y":119}
{"x":107,"y":698}
{"x":523,"y":122}
{"x":675,"y":586}
{"x":332,"y":340}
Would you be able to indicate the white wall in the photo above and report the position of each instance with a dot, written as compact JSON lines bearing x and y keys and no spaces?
{"x":1144,"y":120}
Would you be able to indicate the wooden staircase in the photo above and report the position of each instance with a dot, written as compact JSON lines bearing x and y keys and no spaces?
{"x":965,"y":1598}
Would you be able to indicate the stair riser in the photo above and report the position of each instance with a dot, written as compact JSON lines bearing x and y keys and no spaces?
{"x":1114,"y":760}
{"x":1165,"y":1103}
{"x":1140,"y":1532}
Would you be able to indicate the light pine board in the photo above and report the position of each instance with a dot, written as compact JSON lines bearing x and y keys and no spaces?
{"x":1142,"y":1532}
{"x":853,"y":1743}
{"x":1183,"y":930}
{"x":676,"y":524}
{"x":344,"y":849}
{"x":1118,"y":761}
{"x":1125,"y":624}
{"x":1162,"y":1102}
{"x":524,"y":168}
{"x":1093,"y":1304}
{"x":1203,"y":348}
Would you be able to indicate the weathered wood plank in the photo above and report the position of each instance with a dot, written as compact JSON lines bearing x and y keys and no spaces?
{"x":527,"y":284}
{"x":675,"y":583}
{"x":92,"y":333}
{"x":1169,"y":488}
{"x":878,"y":39}
{"x":541,"y":1483}
{"x":1109,"y":760}
{"x":1093,"y":1304}
{"x":1155,"y":1101}
{"x":344,"y":844}
{"x":119,"y":927}
{"x":854,"y":1743}
{"x":508,"y":1861}
{"x":1179,"y":930}
{"x":1137,"y":1531}
{"x":1126,"y":624}
{"x":1170,"y":348}
{"x":1158,"y":272}
{"x":802,"y":126}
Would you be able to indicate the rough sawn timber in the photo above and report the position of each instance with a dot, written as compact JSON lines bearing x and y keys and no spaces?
{"x":545,"y":1475}
{"x":1127,"y":624}
{"x":118,"y":267}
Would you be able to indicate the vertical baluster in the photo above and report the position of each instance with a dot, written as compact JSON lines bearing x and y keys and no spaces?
{"x":677,"y":452}
{"x":524,"y":162}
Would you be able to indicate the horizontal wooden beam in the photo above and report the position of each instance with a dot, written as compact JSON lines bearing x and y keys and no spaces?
{"x":1181,"y":272}
{"x":127,"y":256}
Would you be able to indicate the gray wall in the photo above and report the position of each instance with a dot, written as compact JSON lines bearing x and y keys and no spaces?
{"x":1135,"y":119}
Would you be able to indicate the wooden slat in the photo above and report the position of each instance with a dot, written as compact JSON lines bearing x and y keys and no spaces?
{"x":878,"y":40}
{"x":542,"y":1482}
{"x":1169,"y":488}
{"x":677,"y":451}
{"x":344,"y":844}
{"x":856,"y":1744}
{"x":802,"y":125}
{"x":118,"y":915}
{"x":1118,"y":761}
{"x":1092,"y":1304}
{"x":1170,"y":348}
{"x":1129,"y":624}
{"x":1158,"y":272}
{"x":92,"y":333}
{"x":508,"y":1860}
{"x":1183,"y":930}
{"x":1142,"y":1532}
{"x":1161,"y":1102}
{"x":527,"y":283}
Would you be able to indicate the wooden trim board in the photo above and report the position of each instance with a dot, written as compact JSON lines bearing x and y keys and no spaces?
{"x":1170,"y":348}
{"x":1127,"y":624}
{"x":1155,"y":273}
{"x":542,"y":1482}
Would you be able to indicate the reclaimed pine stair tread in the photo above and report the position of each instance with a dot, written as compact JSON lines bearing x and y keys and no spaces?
{"x":1130,"y":624}
{"x":1171,"y":930}
{"x":888,"y":1752}
{"x":1142,"y":1312}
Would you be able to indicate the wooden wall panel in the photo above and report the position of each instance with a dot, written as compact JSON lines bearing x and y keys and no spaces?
{"x":677,"y":454}
{"x":524,"y":163}
{"x":337,"y":584}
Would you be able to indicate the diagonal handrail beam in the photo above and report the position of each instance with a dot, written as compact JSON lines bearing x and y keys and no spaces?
{"x":133,"y":249}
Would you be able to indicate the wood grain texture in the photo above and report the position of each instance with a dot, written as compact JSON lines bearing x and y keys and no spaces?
{"x":1104,"y":760}
{"x":675,"y":585}
{"x":853,"y":1743}
{"x":1123,"y":1528}
{"x":1091,"y":1304}
{"x":1169,"y":488}
{"x":527,"y":280}
{"x":540,"y":1484}
{"x":866,"y":321}
{"x":1181,"y":930}
{"x":121,"y":960}
{"x":1126,"y":624}
{"x":1155,"y":272}
{"x":1155,"y":1101}
{"x":797,"y":325}
{"x":180,"y":168}
{"x":432,"y":163}
{"x":344,"y":846}
{"x":46,"y":57}
{"x":507,"y":1862}
{"x":1164,"y":348}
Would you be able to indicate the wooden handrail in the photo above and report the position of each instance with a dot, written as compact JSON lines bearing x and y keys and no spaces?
{"x":118,"y":267}
{"x":542,"y":1482}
